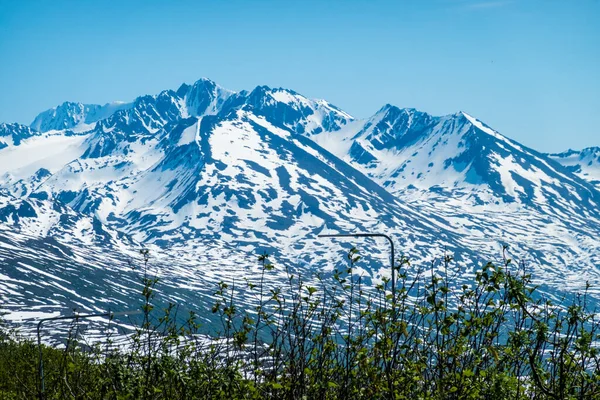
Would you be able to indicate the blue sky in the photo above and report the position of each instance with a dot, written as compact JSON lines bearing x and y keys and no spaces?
{"x":529,"y":69}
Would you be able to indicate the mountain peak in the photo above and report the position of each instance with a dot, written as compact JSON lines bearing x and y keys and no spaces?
{"x":206,"y":80}
{"x":204,"y":97}
{"x":75,"y":116}
{"x":205,"y":168}
{"x":292,"y":110}
{"x":582,"y":152}
{"x":392,"y":111}
{"x":14,"y":133}
{"x":584,"y":163}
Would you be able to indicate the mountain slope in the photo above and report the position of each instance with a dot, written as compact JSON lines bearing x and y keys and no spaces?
{"x":459,"y":155}
{"x":477,"y":180}
{"x":207,"y":177}
{"x":289,"y":110}
{"x":216,"y":176}
{"x":75,"y":116}
{"x":203,"y":97}
{"x":13,"y":134}
{"x":584,"y":163}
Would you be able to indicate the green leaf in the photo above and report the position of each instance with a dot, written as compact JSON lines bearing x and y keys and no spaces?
{"x":71,"y":367}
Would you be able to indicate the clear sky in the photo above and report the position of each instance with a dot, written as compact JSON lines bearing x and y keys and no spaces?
{"x":529,"y":69}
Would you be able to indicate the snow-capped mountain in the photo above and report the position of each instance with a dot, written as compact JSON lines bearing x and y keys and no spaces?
{"x":208,"y":178}
{"x":75,"y":116}
{"x":13,"y":134}
{"x":289,"y":110}
{"x":202,"y":98}
{"x":403,"y":148}
{"x":476,"y":179}
{"x":54,"y":260}
{"x":583,"y":163}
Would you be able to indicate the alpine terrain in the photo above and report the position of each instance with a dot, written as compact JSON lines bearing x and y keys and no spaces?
{"x":207,"y":179}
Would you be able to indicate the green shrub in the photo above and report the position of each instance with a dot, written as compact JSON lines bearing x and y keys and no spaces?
{"x":336,"y":339}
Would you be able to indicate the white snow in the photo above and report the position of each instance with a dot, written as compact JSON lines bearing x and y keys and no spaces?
{"x":189,"y":134}
{"x":49,"y":151}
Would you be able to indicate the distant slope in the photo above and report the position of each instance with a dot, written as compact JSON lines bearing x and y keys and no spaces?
{"x":13,"y":134}
{"x":404,"y":147}
{"x":482,"y":183}
{"x":584,"y":163}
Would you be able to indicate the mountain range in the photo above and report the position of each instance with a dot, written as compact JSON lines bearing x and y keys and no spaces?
{"x":208,"y":178}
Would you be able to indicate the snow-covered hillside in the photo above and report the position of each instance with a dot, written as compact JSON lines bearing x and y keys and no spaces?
{"x":479,"y":181}
{"x":13,"y":134}
{"x":75,"y":116}
{"x":403,"y":148}
{"x":209,"y":178}
{"x":584,"y":163}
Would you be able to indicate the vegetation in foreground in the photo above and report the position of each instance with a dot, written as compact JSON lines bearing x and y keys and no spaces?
{"x":493,"y":339}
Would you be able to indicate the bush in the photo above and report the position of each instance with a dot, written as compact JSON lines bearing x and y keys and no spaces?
{"x":336,"y":339}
